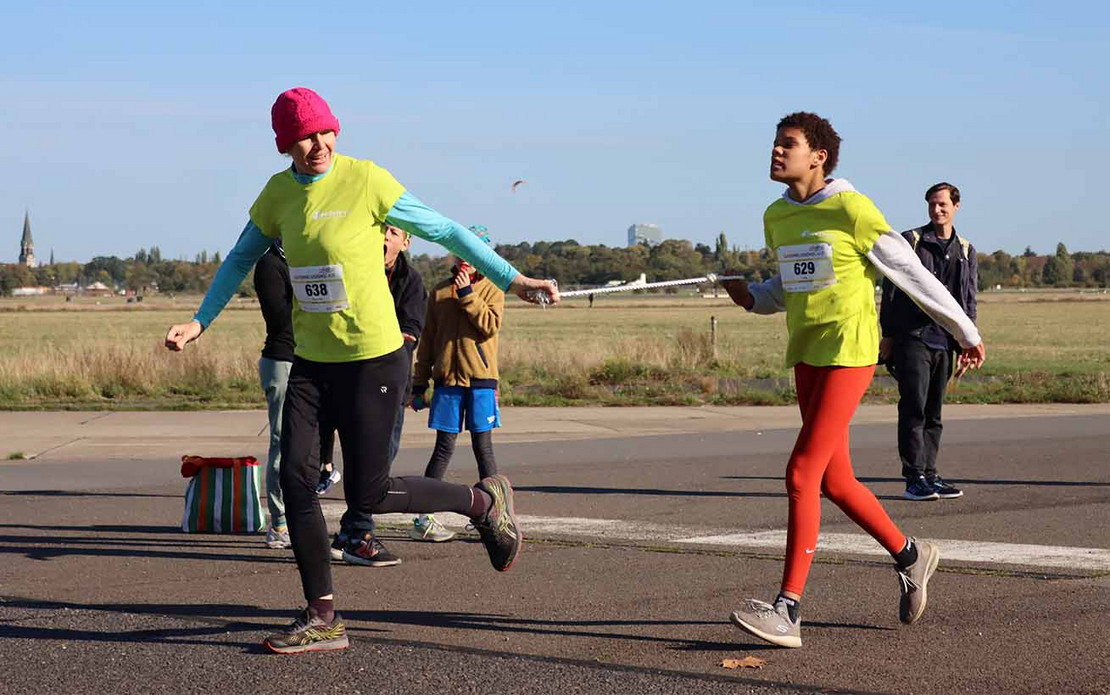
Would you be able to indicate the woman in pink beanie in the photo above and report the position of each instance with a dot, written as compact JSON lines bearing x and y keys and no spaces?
{"x":350,"y":367}
{"x":299,"y":113}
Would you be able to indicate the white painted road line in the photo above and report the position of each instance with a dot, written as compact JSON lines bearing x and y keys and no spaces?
{"x":982,"y":552}
{"x":954,"y":550}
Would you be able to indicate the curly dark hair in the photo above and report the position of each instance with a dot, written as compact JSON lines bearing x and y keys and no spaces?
{"x":953,"y":192}
{"x":819,"y":134}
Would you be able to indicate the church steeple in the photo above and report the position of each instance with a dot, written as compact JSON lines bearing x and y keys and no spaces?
{"x":27,"y":245}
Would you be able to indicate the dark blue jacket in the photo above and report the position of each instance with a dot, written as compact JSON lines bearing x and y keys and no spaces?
{"x":275,"y":298}
{"x":958,"y":270}
{"x":409,"y":298}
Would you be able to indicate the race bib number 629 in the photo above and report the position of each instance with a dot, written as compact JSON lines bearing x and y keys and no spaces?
{"x":806,"y":267}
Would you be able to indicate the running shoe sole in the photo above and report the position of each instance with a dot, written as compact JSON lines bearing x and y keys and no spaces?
{"x":920,"y":498}
{"x":369,"y":562}
{"x":322,"y":646}
{"x":788,"y":641}
{"x":417,"y":536}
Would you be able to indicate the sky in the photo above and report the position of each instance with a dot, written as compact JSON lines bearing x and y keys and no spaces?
{"x":131,"y":125}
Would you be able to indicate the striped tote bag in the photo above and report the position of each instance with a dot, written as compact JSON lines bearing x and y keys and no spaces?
{"x":223,"y":495}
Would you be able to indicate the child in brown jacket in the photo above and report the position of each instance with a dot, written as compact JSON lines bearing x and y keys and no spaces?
{"x":458,"y":352}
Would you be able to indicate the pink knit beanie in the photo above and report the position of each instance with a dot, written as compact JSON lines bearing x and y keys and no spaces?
{"x":298,"y":113}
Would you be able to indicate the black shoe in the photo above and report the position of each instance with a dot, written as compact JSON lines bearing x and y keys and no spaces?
{"x":339,"y":543}
{"x":944,"y":490}
{"x":920,"y":490}
{"x":500,"y":530}
{"x":308,"y":633}
{"x":369,"y":551}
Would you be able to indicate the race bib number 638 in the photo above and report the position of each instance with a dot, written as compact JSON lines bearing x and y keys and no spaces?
{"x":319,"y":288}
{"x":806,"y":267}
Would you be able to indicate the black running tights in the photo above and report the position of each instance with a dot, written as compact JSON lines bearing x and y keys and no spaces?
{"x":480,"y":442}
{"x":361,"y":400}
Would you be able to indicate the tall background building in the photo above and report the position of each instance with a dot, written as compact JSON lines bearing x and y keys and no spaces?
{"x":26,"y":245}
{"x":643,"y":232}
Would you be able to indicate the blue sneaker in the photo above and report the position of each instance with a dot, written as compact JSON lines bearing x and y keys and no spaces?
{"x":327,"y":482}
{"x":944,"y":490}
{"x":920,"y":490}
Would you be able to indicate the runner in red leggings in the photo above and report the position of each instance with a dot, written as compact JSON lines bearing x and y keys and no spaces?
{"x":831,"y":243}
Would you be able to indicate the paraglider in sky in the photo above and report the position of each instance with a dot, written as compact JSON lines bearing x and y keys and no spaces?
{"x":517,"y":183}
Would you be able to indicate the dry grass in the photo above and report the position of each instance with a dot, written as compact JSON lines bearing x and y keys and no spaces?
{"x":98,"y":357}
{"x":623,"y":351}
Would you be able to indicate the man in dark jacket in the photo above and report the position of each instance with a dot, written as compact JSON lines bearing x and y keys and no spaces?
{"x":919,"y":352}
{"x":409,"y":299}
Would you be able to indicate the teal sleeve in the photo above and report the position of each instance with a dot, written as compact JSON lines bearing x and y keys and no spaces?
{"x":416,"y":218}
{"x":251,"y":246}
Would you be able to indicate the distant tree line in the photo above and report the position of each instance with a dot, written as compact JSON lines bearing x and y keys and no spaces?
{"x":144,"y":272}
{"x":571,"y":263}
{"x":1063,"y":269}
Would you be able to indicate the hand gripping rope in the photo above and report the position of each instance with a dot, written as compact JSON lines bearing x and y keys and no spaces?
{"x":539,"y":297}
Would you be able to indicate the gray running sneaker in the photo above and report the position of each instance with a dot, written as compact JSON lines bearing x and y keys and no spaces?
{"x":428,"y":529}
{"x":308,"y":633}
{"x":278,"y":539}
{"x":914,"y":580}
{"x":768,"y":622}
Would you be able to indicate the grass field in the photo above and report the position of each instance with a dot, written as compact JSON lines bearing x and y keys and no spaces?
{"x":638,"y":350}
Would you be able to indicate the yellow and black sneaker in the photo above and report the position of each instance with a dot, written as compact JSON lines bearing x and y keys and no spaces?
{"x":500,"y":530}
{"x":308,"y":633}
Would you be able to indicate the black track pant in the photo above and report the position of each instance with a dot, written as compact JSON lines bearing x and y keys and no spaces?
{"x":922,"y":379}
{"x":361,"y":399}
{"x":480,"y":442}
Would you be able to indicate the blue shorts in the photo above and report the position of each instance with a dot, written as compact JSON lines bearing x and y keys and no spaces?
{"x":452,"y":406}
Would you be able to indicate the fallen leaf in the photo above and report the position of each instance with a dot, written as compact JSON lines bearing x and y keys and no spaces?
{"x":746,"y":662}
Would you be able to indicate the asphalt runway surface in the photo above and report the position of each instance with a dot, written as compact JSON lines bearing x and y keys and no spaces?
{"x":638,"y":549}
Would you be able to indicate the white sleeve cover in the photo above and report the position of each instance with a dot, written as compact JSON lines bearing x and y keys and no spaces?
{"x":768,"y":295}
{"x":895,"y":258}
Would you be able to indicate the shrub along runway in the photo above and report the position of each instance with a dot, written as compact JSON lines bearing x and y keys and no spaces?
{"x":641,"y":542}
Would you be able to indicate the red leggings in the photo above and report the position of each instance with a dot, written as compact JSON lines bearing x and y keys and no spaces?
{"x":820,"y":463}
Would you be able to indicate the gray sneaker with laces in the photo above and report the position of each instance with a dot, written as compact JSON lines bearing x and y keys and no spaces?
{"x":768,"y":622}
{"x":278,"y":539}
{"x":914,"y":579}
{"x":428,"y":529}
